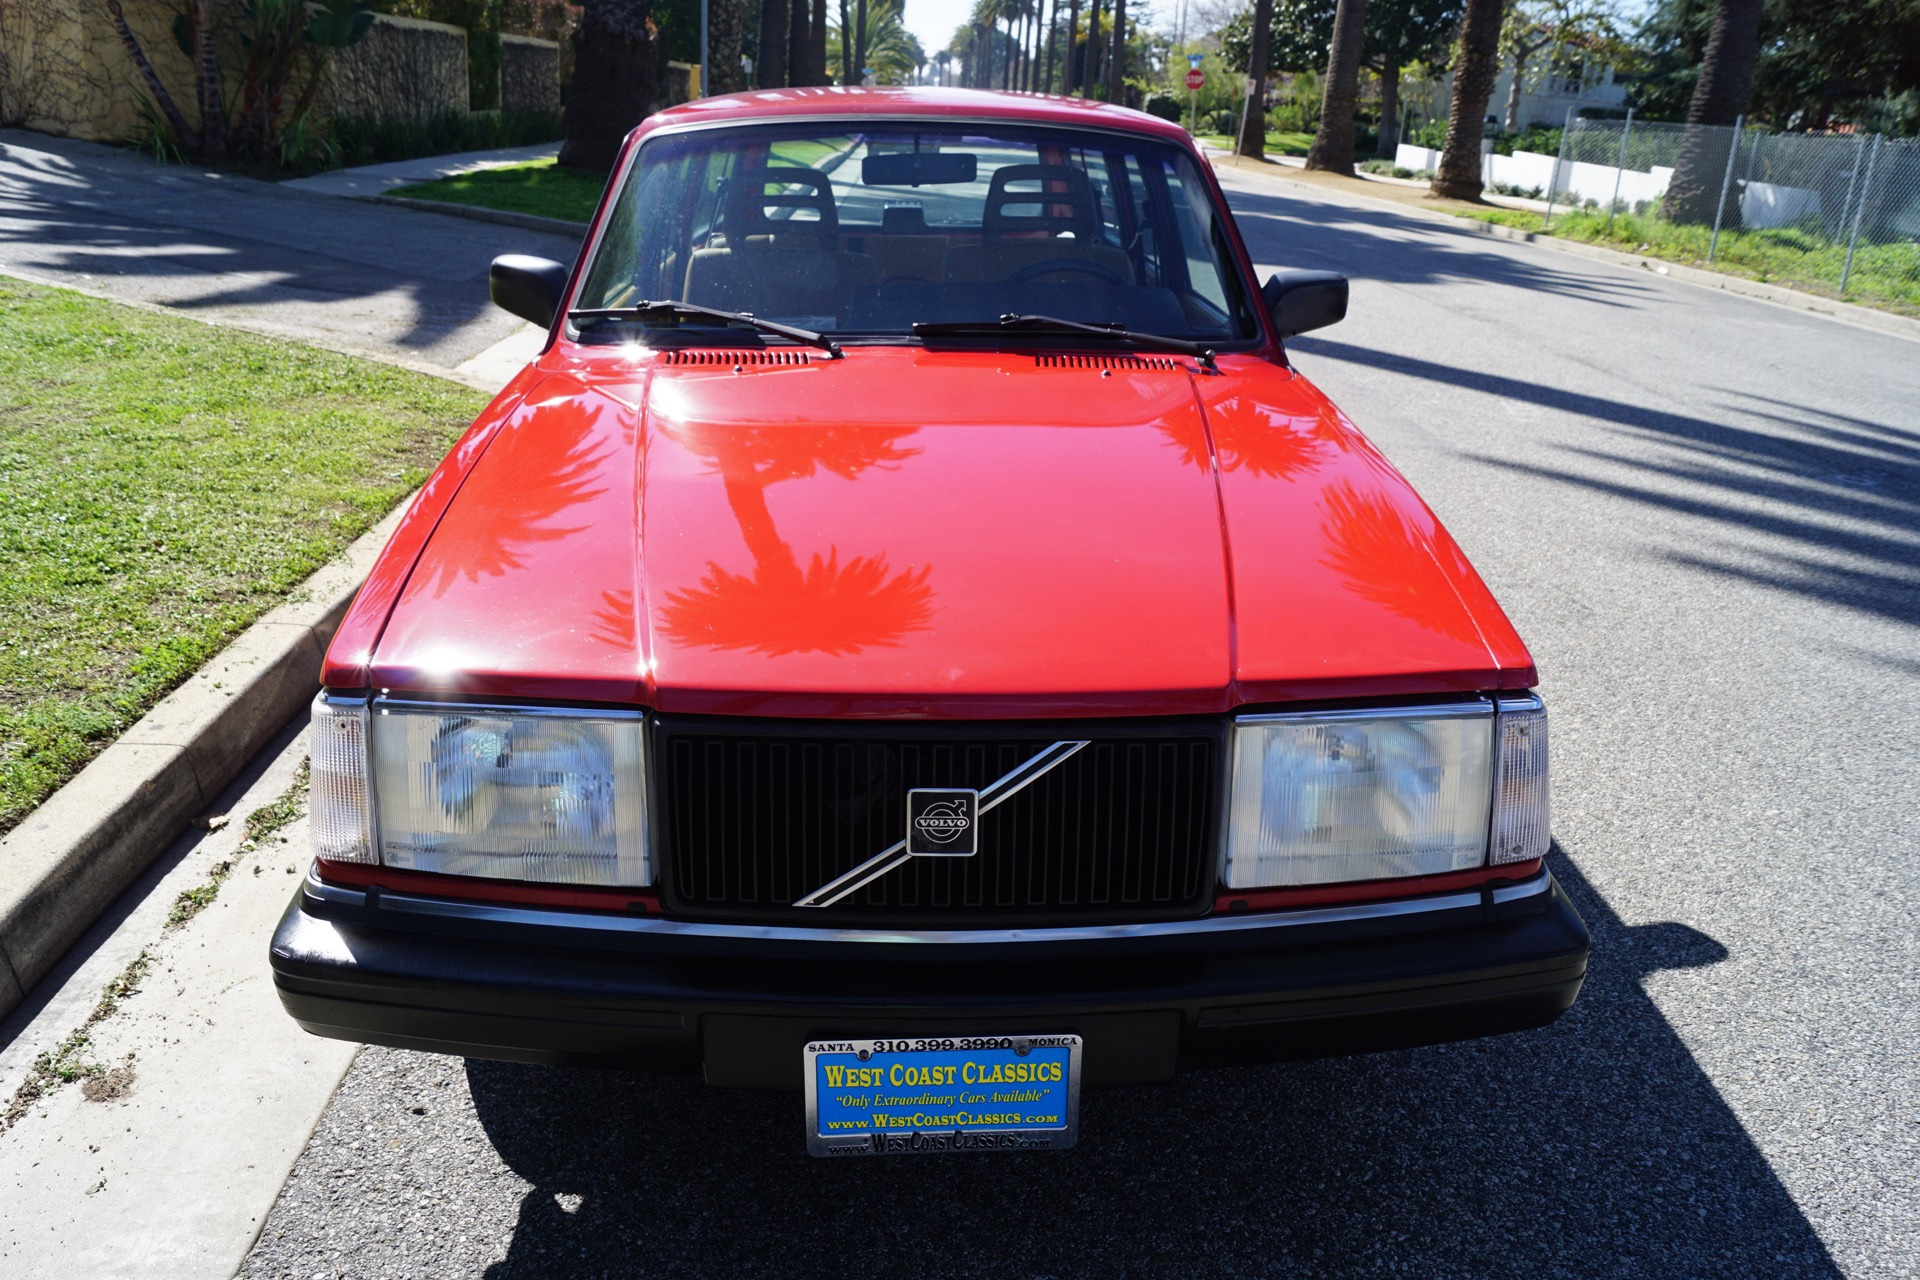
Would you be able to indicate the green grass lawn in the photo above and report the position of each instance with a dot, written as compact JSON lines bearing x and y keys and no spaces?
{"x":1886,"y":276}
{"x":162,"y":484}
{"x":539,"y":187}
{"x":1278,"y":144}
{"x":543,"y":188}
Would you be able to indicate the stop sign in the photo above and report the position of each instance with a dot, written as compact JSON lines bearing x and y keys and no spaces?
{"x":1196,"y":78}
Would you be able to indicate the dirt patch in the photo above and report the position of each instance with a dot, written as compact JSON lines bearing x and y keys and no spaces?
{"x":109,"y":1085}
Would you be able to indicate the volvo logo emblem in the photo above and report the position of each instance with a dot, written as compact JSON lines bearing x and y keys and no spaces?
{"x":940,"y":823}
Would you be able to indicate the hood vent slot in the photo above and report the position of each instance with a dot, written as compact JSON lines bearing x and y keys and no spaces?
{"x":1106,"y":362}
{"x":736,"y":358}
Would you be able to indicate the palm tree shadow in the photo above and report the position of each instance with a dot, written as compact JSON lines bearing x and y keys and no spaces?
{"x":1596,"y":1146}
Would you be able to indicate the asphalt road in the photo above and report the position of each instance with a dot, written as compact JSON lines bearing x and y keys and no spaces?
{"x":1702,"y":513}
{"x":363,"y":278}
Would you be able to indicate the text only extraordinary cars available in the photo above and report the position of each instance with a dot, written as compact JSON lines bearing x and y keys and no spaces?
{"x":912,"y":638}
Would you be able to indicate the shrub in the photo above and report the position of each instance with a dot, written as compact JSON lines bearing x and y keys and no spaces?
{"x":1387,"y":167}
{"x":1221,"y":121}
{"x":357,"y":140}
{"x":1166,"y":106}
{"x":1541,"y":139}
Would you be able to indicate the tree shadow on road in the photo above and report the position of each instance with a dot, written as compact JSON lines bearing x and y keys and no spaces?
{"x":212,"y":242}
{"x":1596,"y":1147}
{"x":1819,"y":504}
{"x":1377,"y":244}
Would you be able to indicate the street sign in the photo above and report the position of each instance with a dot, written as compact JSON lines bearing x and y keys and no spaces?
{"x":1196,"y":78}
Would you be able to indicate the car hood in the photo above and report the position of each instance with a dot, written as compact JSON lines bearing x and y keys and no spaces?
{"x":914,"y":533}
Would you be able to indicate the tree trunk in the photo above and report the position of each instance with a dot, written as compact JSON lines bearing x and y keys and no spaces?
{"x":206,"y":81}
{"x":846,"y":43}
{"x":184,"y":134}
{"x":726,"y":28}
{"x":817,"y":64}
{"x":1117,"y":59}
{"x":1253,"y":120}
{"x":1006,"y":53}
{"x":860,"y":42}
{"x":1067,"y":72}
{"x":799,"y":43}
{"x":1389,"y":111}
{"x":1719,"y":98}
{"x":1090,"y":75}
{"x":770,"y":71}
{"x":1332,"y":148}
{"x":1047,"y":33}
{"x":1513,"y":91}
{"x":1459,"y":172}
{"x":614,"y":85}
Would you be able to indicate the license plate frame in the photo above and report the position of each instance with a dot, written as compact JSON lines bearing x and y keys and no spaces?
{"x":940,"y":1063}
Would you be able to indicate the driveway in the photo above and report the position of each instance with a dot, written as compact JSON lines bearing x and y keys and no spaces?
{"x":346,"y":274}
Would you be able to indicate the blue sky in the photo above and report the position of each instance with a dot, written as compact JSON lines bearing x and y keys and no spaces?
{"x":933,"y":21}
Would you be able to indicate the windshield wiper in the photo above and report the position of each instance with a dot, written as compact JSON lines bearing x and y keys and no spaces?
{"x":1013,"y":323}
{"x":668,"y":308}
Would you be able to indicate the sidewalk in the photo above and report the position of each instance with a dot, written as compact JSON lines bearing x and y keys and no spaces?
{"x":373,"y":179}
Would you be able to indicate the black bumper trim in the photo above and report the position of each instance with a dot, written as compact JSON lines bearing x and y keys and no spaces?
{"x":1144,"y":1008}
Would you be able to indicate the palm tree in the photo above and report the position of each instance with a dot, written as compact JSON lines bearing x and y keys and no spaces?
{"x":1459,"y":172}
{"x":613,"y":81}
{"x":1253,"y":119}
{"x":1719,"y":98}
{"x":726,"y":27}
{"x":770,"y":69}
{"x":891,"y":50}
{"x":943,"y":60}
{"x":1332,"y":148}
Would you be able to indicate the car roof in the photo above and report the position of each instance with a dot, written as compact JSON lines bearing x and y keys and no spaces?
{"x":970,"y":104}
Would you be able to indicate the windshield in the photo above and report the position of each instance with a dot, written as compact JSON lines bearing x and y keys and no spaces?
{"x":867,"y":231}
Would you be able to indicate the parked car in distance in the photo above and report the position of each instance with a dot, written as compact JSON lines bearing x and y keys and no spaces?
{"x":912,"y":638}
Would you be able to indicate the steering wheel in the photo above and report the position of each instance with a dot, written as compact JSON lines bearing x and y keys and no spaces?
{"x":1081,"y":265}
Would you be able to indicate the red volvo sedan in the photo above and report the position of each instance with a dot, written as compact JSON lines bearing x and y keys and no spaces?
{"x":912,"y":638}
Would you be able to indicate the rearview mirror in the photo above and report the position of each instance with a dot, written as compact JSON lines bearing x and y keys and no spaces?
{"x":919,"y":168}
{"x":528,"y":287}
{"x":1303,"y":300}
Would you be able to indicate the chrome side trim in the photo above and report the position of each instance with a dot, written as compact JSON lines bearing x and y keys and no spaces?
{"x":576,"y":922}
{"x":1526,"y":889}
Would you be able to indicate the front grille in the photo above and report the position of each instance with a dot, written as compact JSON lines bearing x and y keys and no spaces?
{"x":747,"y":820}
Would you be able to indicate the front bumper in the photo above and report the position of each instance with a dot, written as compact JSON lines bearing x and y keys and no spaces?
{"x":738,"y":1003}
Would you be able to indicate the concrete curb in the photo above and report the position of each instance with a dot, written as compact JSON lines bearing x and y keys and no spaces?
{"x":1793,"y":299}
{"x":480,"y":213}
{"x":93,"y":837}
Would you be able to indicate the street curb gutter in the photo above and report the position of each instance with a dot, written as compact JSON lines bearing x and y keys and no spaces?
{"x":93,"y":837}
{"x":1794,"y":299}
{"x":480,"y":213}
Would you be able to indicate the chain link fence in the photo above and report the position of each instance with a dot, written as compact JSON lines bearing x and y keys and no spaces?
{"x":1838,"y":213}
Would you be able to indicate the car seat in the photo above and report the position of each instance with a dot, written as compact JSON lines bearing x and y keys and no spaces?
{"x":777,"y":266}
{"x":1049,"y":217}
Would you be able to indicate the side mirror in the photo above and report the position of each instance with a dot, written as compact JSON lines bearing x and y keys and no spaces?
{"x":528,"y":287}
{"x":1303,"y":300}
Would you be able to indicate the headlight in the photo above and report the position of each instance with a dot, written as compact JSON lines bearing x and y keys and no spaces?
{"x":512,"y":793}
{"x":1371,"y":795}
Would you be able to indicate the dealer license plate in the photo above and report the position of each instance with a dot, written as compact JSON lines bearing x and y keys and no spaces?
{"x":964,"y":1093}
